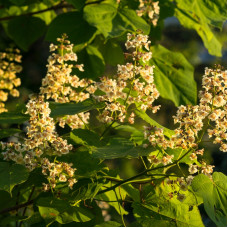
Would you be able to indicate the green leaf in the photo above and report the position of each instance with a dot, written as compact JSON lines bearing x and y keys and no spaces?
{"x":88,"y":165}
{"x":152,"y":122}
{"x":85,"y":189}
{"x":119,"y":148}
{"x":127,"y":20}
{"x":46,"y":16}
{"x":200,"y":15}
{"x":93,"y":61}
{"x":75,"y":214}
{"x":158,"y":206}
{"x":111,"y":196}
{"x":77,"y":4}
{"x":52,"y":209}
{"x":23,"y":2}
{"x":7,"y":220}
{"x":4,"y":133}
{"x":100,"y":16}
{"x":6,"y":200}
{"x":13,"y":117}
{"x":35,"y":219}
{"x":61,"y":109}
{"x":134,"y":193}
{"x":173,"y":76}
{"x":112,"y":52}
{"x":214,"y":194}
{"x":33,"y":27}
{"x":109,"y":224}
{"x":85,"y":137}
{"x":78,"y":30}
{"x":11,"y":175}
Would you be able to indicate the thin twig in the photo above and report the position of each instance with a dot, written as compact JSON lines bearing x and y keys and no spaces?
{"x":29,"y":199}
{"x":59,"y":6}
{"x":142,"y":174}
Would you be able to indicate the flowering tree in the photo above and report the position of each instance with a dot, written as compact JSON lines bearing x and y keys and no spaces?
{"x":56,"y":170}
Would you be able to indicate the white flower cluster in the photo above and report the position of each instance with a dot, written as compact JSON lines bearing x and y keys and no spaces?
{"x":149,"y":8}
{"x":164,"y":160}
{"x":41,"y":133}
{"x":133,"y":83}
{"x":9,"y":67}
{"x":214,"y":95}
{"x":211,"y":113}
{"x":42,"y":140}
{"x":57,"y":172}
{"x":179,"y":184}
{"x":59,"y":83}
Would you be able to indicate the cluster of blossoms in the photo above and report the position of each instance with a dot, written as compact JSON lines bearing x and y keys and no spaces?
{"x":149,"y":8}
{"x":210,"y":114}
{"x":178,"y":185}
{"x":164,"y":160}
{"x":61,"y":85}
{"x":41,"y":133}
{"x":133,"y":83}
{"x":191,"y":119}
{"x":215,"y":97}
{"x":42,"y":140}
{"x":57,"y":172}
{"x":9,"y":67}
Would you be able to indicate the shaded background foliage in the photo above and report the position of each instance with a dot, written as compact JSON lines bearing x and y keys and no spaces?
{"x":98,"y":30}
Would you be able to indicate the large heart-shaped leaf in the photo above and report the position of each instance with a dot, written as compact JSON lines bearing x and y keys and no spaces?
{"x":11,"y":175}
{"x":214,"y":194}
{"x":173,"y":76}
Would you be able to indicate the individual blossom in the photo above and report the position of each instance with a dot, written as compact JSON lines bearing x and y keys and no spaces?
{"x":150,"y":9}
{"x":153,"y":159}
{"x":181,"y":197}
{"x":9,"y":68}
{"x":167,"y":159}
{"x":193,"y":169}
{"x":207,"y":169}
{"x":189,"y":179}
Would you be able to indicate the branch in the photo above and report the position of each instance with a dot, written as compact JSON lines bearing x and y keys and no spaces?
{"x":17,"y":207}
{"x":59,"y":6}
{"x":142,"y":174}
